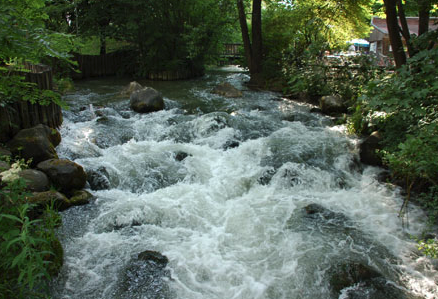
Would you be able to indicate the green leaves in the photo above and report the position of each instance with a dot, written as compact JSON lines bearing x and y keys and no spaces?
{"x":23,"y":35}
{"x":26,"y":248}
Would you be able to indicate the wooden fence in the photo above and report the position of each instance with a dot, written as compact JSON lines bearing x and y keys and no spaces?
{"x":39,"y":74}
{"x":181,"y":74}
{"x":232,"y":50}
{"x":23,"y":114}
{"x":99,"y":65}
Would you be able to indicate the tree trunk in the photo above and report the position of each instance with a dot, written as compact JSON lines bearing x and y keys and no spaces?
{"x":257,"y":54}
{"x":102,"y":44}
{"x":405,"y":29}
{"x":245,"y":33}
{"x":394,"y":33}
{"x":423,"y":14}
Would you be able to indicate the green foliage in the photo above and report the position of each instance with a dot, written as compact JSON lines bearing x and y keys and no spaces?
{"x":408,"y":100}
{"x":403,"y":106}
{"x":429,"y":247}
{"x":168,"y":35}
{"x":344,"y":76}
{"x":295,"y":32}
{"x":13,"y":88}
{"x":23,"y":35}
{"x":26,"y":245}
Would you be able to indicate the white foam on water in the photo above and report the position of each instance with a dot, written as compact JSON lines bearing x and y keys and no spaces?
{"x":227,"y":235}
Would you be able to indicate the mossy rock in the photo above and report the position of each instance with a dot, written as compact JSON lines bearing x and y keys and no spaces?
{"x":80,"y":198}
{"x":64,"y":174}
{"x":37,"y":143}
{"x":43,"y":199}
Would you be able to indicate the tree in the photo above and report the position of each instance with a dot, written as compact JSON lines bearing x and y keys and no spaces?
{"x":171,"y":34}
{"x":299,"y":30}
{"x":397,"y":24}
{"x":253,"y":50}
{"x":394,"y":32}
{"x":23,"y":35}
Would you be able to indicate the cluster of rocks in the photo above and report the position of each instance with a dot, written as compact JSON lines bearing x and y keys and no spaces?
{"x":50,"y":179}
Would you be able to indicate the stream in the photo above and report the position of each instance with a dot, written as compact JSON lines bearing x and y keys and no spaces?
{"x":253,"y":197}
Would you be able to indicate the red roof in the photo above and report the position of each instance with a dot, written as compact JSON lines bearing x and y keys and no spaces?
{"x":380,"y":24}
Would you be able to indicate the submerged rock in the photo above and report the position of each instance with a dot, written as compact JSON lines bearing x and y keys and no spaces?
{"x":231,"y":144}
{"x":64,"y":174}
{"x":98,"y":179}
{"x":180,"y":156}
{"x":146,"y":100}
{"x":351,"y":280}
{"x":146,"y":277}
{"x":350,"y":273}
{"x":80,"y":197}
{"x":318,"y":216}
{"x":227,"y":90}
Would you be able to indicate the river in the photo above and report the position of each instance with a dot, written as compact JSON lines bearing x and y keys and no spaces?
{"x":254,"y":197}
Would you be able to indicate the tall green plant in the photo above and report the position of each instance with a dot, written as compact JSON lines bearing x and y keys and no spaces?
{"x":27,"y":245}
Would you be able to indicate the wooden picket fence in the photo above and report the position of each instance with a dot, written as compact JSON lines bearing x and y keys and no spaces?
{"x":23,"y":114}
{"x":99,"y":65}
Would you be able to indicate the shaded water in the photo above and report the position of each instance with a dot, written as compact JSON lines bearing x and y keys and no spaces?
{"x":219,"y":186}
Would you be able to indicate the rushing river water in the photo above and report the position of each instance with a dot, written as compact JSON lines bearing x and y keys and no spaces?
{"x":254,"y":197}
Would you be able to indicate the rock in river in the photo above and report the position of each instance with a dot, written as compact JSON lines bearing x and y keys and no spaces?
{"x":146,"y":100}
{"x":64,"y":174}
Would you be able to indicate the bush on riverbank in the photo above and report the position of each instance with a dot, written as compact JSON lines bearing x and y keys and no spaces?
{"x":30,"y":253}
{"x":403,"y":106}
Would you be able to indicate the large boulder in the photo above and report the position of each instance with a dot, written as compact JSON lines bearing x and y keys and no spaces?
{"x":37,"y":143}
{"x":227,"y":90}
{"x":133,"y":86}
{"x":332,"y":105}
{"x":146,"y":100}
{"x":64,"y":174}
{"x":368,"y":148}
{"x":36,"y":181}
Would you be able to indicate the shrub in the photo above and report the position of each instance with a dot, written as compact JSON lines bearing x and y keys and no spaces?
{"x":27,"y":245}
